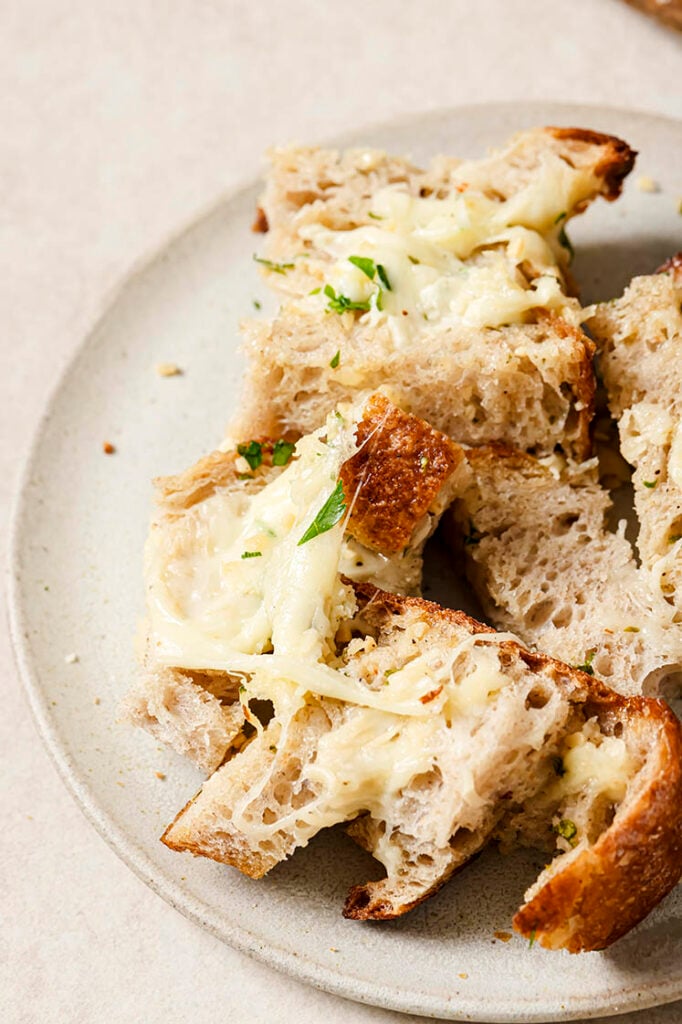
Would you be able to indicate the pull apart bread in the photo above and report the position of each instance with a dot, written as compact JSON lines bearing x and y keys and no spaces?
{"x":428,"y":732}
{"x":640,"y":345}
{"x":225,"y":572}
{"x":543,"y":563}
{"x":449,"y":284}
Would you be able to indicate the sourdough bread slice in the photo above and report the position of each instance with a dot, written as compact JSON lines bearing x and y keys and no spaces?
{"x":640,"y":340}
{"x":437,"y":735}
{"x":448,"y":284}
{"x":543,"y":564}
{"x":220,"y":522}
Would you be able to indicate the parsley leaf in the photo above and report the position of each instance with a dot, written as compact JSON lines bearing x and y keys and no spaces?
{"x":282,"y":452}
{"x":251,"y":554}
{"x":568,"y":830}
{"x":328,"y":516}
{"x":365,"y":264}
{"x":334,"y":361}
{"x":383,"y":277}
{"x":278,"y":268}
{"x":650,"y":483}
{"x":565,"y":241}
{"x":531,"y":941}
{"x":341,"y":303}
{"x":252,"y":452}
{"x":375,"y":216}
{"x":257,"y":304}
{"x":587,"y":664}
{"x":559,"y":217}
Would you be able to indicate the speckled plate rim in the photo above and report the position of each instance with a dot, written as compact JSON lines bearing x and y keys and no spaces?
{"x":125,"y":846}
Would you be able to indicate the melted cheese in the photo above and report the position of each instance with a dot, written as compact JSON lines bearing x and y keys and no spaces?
{"x":450,"y":261}
{"x":675,"y":457}
{"x":603,"y":768}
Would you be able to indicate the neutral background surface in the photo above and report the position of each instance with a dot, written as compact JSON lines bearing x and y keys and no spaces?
{"x":119,"y":122}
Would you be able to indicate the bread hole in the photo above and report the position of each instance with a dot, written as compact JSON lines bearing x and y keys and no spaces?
{"x":266,"y":846}
{"x":537,"y":698}
{"x":282,"y":793}
{"x":263,"y":710}
{"x":618,"y":729}
{"x":424,"y":860}
{"x":564,"y":523}
{"x":562,"y":618}
{"x":268,"y":816}
{"x":462,"y":837}
{"x":603,"y":665}
{"x":539,"y":613}
{"x":301,"y":797}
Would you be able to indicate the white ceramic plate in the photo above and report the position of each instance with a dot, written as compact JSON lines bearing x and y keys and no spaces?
{"x":78,"y":533}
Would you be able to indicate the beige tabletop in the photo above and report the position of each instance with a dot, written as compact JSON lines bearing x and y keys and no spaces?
{"x":120,"y":120}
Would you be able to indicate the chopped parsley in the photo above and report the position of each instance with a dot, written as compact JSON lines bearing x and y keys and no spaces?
{"x":568,"y":830}
{"x":531,"y":941}
{"x":565,"y":241}
{"x":650,"y":483}
{"x":559,"y":217}
{"x":277,"y":268}
{"x":244,"y":476}
{"x":587,"y":664}
{"x":335,"y":359}
{"x":257,"y":304}
{"x":413,"y":260}
{"x":251,"y":554}
{"x":328,"y":516}
{"x":473,"y":536}
{"x":252,"y":451}
{"x":375,"y":216}
{"x":365,"y":264}
{"x":282,"y":452}
{"x":341,"y":303}
{"x":315,"y":291}
{"x":383,"y":277}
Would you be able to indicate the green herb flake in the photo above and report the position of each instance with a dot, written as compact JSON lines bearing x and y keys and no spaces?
{"x":341,"y":303}
{"x":242,"y":689}
{"x":379,"y":300}
{"x":587,"y":664}
{"x":558,"y":766}
{"x":565,"y":241}
{"x":473,"y":536}
{"x":375,"y":216}
{"x":244,"y":476}
{"x":335,"y":359}
{"x":257,"y":304}
{"x":251,"y":554}
{"x":559,"y":217}
{"x":631,"y":629}
{"x":282,"y":452}
{"x":650,"y":483}
{"x":252,"y":451}
{"x":365,"y":264}
{"x":383,"y":277}
{"x":568,"y":830}
{"x":531,"y":941}
{"x":423,"y":462}
{"x":315,"y":291}
{"x":277,"y":268}
{"x":413,"y":260}
{"x":328,"y":516}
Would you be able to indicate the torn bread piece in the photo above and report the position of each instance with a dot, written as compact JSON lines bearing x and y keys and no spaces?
{"x":433,"y":734}
{"x":227,"y":567}
{"x":640,"y":340}
{"x":543,"y":564}
{"x":449,"y":284}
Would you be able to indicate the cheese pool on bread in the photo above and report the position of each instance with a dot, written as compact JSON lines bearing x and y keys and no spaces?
{"x":433,"y":734}
{"x":252,"y":553}
{"x":449,"y":284}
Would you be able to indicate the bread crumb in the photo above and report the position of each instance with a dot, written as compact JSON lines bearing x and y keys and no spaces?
{"x":71,"y":659}
{"x":463,"y":974}
{"x":108,"y":448}
{"x":646,"y":184}
{"x":333,"y":949}
{"x":168,"y":370}
{"x":160,"y":775}
{"x":502,"y":936}
{"x":121,"y":784}
{"x":97,"y":700}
